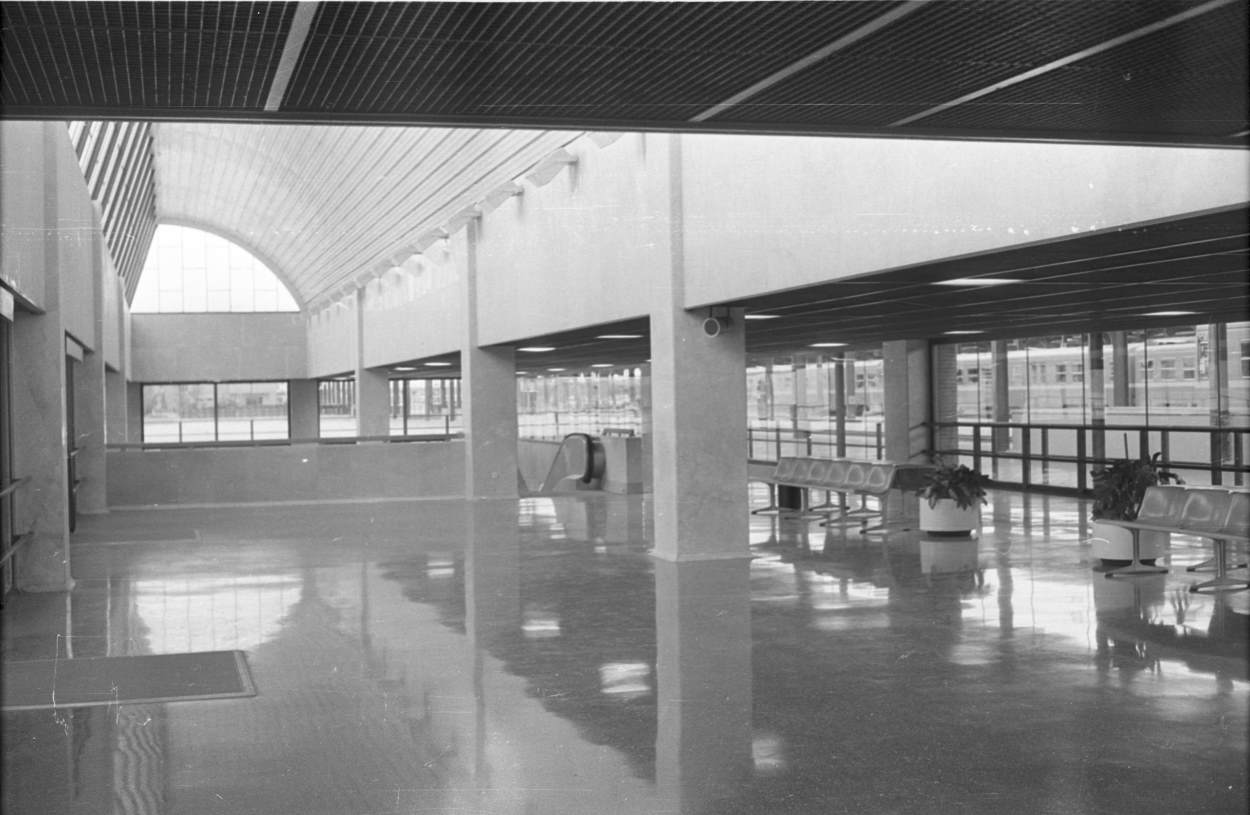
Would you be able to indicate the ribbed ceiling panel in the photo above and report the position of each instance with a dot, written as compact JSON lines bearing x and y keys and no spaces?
{"x":169,"y":55}
{"x":322,"y":206}
{"x":565,"y":61}
{"x":942,"y":52}
{"x":1176,"y":81}
{"x":117,"y":161}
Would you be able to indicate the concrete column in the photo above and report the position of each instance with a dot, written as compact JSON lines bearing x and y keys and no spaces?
{"x":488,"y":391}
{"x":906,"y":365}
{"x":699,"y":414}
{"x":373,"y":392}
{"x":488,"y":399}
{"x":301,"y":397}
{"x":39,"y":447}
{"x":703,"y":745}
{"x":115,"y":407}
{"x":373,"y":402}
{"x":89,"y":398}
{"x":134,"y":412}
{"x":945,"y":395}
{"x":89,"y":427}
{"x":39,"y":402}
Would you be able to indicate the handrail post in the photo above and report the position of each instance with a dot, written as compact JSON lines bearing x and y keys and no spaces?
{"x":777,"y":440}
{"x":1216,"y":470}
{"x":880,"y":442}
{"x":1045,"y":454}
{"x":1026,"y":456}
{"x":976,"y":446}
{"x":1081,"y":464}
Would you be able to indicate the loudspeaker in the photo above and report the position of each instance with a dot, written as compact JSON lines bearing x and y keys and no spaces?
{"x":713,"y":326}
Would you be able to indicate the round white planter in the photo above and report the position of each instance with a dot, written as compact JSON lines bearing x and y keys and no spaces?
{"x":1108,"y":542}
{"x":947,"y":555}
{"x":946,"y":518}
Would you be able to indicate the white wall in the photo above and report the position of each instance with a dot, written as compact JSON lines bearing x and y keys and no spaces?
{"x":416,"y":310}
{"x":331,"y":339}
{"x":579,"y":250}
{"x":217,"y":347}
{"x":767,"y":213}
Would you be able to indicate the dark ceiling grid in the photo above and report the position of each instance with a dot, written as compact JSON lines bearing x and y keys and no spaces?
{"x":1134,"y":90}
{"x":628,"y":59}
{"x":939,"y":53}
{"x":139,"y":55}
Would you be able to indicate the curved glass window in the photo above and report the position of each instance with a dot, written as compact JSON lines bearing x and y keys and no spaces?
{"x":189,"y":270}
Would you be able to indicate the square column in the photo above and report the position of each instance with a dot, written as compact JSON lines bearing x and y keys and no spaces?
{"x":488,"y":393}
{"x":373,"y":390}
{"x":698,"y":414}
{"x":115,"y":407}
{"x":905,"y":366}
{"x":906,"y":394}
{"x":134,"y":412}
{"x":89,"y":426}
{"x":39,"y":448}
{"x":703,"y":745}
{"x":301,"y":397}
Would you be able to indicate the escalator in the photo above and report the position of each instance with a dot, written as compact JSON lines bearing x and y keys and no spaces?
{"x":578,"y":465}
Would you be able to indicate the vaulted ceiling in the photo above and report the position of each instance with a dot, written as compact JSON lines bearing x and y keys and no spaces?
{"x":229,"y":89}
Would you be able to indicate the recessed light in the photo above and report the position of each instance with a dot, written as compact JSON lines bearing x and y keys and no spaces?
{"x":439,"y":364}
{"x":1168,"y":313}
{"x":619,"y":337}
{"x":403,"y":368}
{"x":827,"y":345}
{"x":762,"y":316}
{"x":975,"y":281}
{"x":602,"y":365}
{"x":556,"y":370}
{"x":536,"y":349}
{"x":962,"y":331}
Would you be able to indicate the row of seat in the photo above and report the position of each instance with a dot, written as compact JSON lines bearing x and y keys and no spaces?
{"x":832,"y":476}
{"x":1220,"y":515}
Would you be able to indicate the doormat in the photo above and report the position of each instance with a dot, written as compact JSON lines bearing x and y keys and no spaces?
{"x":56,"y":683}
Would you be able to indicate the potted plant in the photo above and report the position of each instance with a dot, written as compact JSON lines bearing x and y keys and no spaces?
{"x":952,"y":498}
{"x":1119,"y":487}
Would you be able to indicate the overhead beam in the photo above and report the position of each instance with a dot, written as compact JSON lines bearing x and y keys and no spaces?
{"x":301,"y":23}
{"x":1055,"y":65}
{"x":895,"y":14}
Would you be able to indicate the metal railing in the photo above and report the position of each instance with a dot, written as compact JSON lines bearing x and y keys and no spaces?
{"x":10,"y":540}
{"x":772,"y":443}
{"x":1061,"y":456}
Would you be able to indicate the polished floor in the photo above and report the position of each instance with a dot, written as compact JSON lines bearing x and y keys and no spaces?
{"x":531,"y":657}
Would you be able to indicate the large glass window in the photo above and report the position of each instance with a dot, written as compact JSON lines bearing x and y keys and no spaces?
{"x":425,"y":407}
{"x":336,"y":408}
{"x":188,"y":270}
{"x":178,"y":413}
{"x":252,"y":410}
{"x":205,"y":412}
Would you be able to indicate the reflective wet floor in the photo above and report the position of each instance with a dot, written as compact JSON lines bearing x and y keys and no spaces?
{"x":531,"y":657}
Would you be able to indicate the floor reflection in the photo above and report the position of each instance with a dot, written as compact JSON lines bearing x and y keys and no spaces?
{"x":533,"y":657}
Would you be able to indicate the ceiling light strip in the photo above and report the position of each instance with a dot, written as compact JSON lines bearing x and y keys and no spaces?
{"x":301,"y":23}
{"x":811,"y":59}
{"x":1115,"y":42}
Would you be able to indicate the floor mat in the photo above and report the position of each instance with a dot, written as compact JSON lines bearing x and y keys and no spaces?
{"x":56,"y":683}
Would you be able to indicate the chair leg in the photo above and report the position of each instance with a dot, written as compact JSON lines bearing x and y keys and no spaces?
{"x":1136,"y":567}
{"x":1221,"y":582}
{"x":773,"y":508}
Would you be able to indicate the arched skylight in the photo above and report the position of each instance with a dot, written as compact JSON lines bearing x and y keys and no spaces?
{"x":189,"y":270}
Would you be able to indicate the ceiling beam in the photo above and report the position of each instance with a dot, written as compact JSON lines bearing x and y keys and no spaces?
{"x":1054,"y":65}
{"x":301,"y":24}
